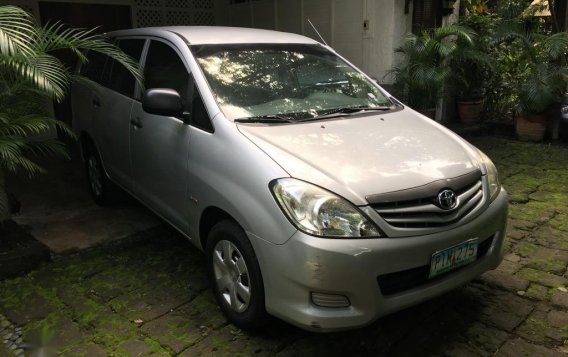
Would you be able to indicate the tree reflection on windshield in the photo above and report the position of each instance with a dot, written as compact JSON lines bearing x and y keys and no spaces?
{"x":298,"y":81}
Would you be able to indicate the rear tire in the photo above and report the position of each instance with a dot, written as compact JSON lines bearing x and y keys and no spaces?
{"x":104,"y":191}
{"x":235,"y":275}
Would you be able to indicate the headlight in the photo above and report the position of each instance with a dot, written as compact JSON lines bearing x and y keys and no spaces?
{"x":492,"y":176}
{"x":321,"y":213}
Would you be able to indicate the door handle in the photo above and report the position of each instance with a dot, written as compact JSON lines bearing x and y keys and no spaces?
{"x":96,"y":102}
{"x":136,"y":123}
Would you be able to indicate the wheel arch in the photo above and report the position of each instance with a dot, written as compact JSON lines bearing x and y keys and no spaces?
{"x":86,"y":143}
{"x":211,"y":216}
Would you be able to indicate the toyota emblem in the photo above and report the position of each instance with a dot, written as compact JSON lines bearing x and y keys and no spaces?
{"x":447,"y":199}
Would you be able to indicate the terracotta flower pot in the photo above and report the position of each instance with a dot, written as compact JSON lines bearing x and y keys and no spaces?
{"x":530,"y":127}
{"x":470,"y":111}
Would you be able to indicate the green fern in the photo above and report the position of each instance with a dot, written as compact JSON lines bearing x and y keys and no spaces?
{"x":542,"y":65}
{"x":29,"y":75}
{"x":419,"y":79}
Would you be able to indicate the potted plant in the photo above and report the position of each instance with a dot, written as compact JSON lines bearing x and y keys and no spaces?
{"x":420,"y":76}
{"x":542,"y":87}
{"x":470,"y":66}
{"x":29,"y":73}
{"x":542,"y":79}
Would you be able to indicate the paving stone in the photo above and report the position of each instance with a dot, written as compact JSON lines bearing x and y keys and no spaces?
{"x":557,"y":318}
{"x":463,"y":350}
{"x":514,"y":258}
{"x":518,"y":197}
{"x":229,"y":341}
{"x":487,"y":337}
{"x":504,"y":277}
{"x":542,"y":258}
{"x":556,"y":199}
{"x":558,"y":322}
{"x":74,"y":297}
{"x":303,"y":347}
{"x":504,"y":311}
{"x":135,"y":347}
{"x":521,"y":183}
{"x":536,"y":212}
{"x":536,"y":327}
{"x":148,"y":304}
{"x":115,"y":282}
{"x":559,"y":298}
{"x":518,"y":226}
{"x":560,"y":222}
{"x":518,"y":347}
{"x":55,"y":333}
{"x":551,"y":237}
{"x":187,"y":325}
{"x":85,"y":350}
{"x":76,"y":268}
{"x":554,"y":187}
{"x":30,"y":307}
{"x":537,"y":292}
{"x":542,"y":278}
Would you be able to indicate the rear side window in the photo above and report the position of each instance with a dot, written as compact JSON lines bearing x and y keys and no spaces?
{"x":165,"y":69}
{"x":118,"y":77}
{"x":94,"y":67}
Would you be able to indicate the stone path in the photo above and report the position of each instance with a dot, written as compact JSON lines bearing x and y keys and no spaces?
{"x":149,"y":296}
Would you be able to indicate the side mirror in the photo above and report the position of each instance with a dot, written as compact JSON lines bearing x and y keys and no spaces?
{"x":163,"y":101}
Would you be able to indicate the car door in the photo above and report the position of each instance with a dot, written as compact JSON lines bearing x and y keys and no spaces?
{"x":159,"y":145}
{"x":112,"y":104}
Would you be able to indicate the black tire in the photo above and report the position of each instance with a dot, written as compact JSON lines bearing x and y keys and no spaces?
{"x":254,"y":314}
{"x":103,"y":190}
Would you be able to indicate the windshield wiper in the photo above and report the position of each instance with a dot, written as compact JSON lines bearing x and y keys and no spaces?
{"x":351,"y":110}
{"x":272,"y":118}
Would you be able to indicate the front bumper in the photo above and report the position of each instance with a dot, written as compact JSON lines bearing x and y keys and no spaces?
{"x":351,"y":267}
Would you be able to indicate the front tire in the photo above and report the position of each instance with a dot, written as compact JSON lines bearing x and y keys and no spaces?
{"x":235,"y":275}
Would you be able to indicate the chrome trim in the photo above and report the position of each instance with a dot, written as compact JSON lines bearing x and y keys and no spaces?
{"x":429,"y":190}
{"x":422,"y":212}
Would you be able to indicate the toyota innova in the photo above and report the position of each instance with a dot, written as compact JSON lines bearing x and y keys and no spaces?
{"x":316,"y":196}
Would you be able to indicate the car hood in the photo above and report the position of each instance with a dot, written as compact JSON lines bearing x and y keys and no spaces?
{"x":363,"y":155}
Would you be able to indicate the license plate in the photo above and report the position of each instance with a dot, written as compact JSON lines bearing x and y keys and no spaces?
{"x":454,"y":257}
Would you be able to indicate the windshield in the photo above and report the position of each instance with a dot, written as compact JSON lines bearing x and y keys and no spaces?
{"x":291,"y":81}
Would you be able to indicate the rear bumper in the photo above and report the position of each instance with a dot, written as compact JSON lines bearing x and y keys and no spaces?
{"x":352,"y":267}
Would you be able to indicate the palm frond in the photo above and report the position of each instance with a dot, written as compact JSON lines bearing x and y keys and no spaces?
{"x":49,"y":147}
{"x":556,"y":45}
{"x":16,"y":30}
{"x":57,"y":36}
{"x":12,"y":156}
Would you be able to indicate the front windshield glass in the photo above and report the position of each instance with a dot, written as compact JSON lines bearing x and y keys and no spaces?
{"x":294,"y":81}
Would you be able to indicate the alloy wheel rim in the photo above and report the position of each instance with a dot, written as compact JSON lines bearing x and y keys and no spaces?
{"x":94,"y":176}
{"x":231,"y":275}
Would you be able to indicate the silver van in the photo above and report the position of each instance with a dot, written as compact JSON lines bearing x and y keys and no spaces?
{"x":316,"y":196}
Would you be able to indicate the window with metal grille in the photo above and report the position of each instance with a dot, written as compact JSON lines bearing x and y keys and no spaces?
{"x":426,"y":14}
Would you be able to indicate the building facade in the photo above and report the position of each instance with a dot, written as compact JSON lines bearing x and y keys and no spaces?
{"x":366,"y":32}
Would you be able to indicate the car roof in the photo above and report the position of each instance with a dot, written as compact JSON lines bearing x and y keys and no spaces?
{"x":199,"y":35}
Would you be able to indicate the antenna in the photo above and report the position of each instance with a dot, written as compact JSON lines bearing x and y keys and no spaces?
{"x":316,"y":30}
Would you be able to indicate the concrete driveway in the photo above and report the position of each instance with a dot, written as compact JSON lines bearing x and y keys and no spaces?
{"x":146,"y":293}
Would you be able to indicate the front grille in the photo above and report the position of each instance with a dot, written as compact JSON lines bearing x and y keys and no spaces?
{"x":400,"y":281}
{"x":424,"y":213}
